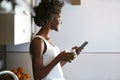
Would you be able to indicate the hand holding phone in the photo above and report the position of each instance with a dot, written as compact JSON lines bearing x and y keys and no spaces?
{"x":77,"y":50}
{"x":81,"y":47}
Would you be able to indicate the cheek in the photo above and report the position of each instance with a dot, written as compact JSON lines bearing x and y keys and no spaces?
{"x":57,"y":23}
{"x":60,"y":23}
{"x":60,"y":20}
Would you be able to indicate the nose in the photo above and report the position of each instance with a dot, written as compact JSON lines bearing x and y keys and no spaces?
{"x":60,"y":20}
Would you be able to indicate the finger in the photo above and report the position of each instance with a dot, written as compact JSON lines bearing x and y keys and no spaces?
{"x":72,"y":56}
{"x":75,"y":47}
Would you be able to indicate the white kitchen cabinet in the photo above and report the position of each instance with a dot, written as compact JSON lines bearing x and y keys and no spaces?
{"x":15,"y":28}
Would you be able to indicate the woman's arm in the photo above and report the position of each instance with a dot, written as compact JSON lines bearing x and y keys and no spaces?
{"x":63,"y":63}
{"x":37,"y":48}
{"x":40,"y":73}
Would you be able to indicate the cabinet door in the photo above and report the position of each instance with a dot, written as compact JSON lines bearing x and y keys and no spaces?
{"x":15,"y":28}
{"x":22,"y":31}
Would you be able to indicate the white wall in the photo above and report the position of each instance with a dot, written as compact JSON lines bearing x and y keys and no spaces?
{"x":94,"y":66}
{"x":97,"y":21}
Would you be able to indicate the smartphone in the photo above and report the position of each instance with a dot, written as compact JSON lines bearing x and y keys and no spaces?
{"x":82,"y":46}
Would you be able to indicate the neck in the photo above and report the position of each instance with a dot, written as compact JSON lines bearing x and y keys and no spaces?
{"x":44,"y":32}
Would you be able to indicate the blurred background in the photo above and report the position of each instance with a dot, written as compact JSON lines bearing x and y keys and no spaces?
{"x":95,"y":21}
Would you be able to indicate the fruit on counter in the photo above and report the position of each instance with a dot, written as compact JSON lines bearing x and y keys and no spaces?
{"x":20,"y":72}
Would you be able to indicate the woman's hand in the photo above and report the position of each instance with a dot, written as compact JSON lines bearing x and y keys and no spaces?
{"x":77,"y":49}
{"x":66,"y":56}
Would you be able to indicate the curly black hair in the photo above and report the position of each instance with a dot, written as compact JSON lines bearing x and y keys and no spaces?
{"x":46,"y":10}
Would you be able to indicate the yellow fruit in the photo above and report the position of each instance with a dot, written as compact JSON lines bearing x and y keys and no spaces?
{"x":18,"y":75}
{"x":21,"y":73}
{"x":23,"y":77}
{"x":20,"y":70}
{"x":27,"y":76}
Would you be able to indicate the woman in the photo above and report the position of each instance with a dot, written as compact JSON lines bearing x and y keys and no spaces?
{"x":46,"y":57}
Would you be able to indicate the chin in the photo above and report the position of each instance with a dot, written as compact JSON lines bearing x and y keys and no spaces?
{"x":56,"y":30}
{"x":59,"y":28}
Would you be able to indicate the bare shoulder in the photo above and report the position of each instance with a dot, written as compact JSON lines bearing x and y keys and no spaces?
{"x":37,"y":41}
{"x":36,"y":45}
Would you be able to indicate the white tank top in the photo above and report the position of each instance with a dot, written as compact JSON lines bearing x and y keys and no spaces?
{"x":51,"y":52}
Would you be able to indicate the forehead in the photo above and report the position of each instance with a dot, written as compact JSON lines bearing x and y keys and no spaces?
{"x":58,"y":15}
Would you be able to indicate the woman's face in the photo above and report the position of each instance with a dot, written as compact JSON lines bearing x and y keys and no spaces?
{"x":56,"y":23}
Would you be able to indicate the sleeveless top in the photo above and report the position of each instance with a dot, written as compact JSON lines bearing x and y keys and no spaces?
{"x":51,"y":52}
